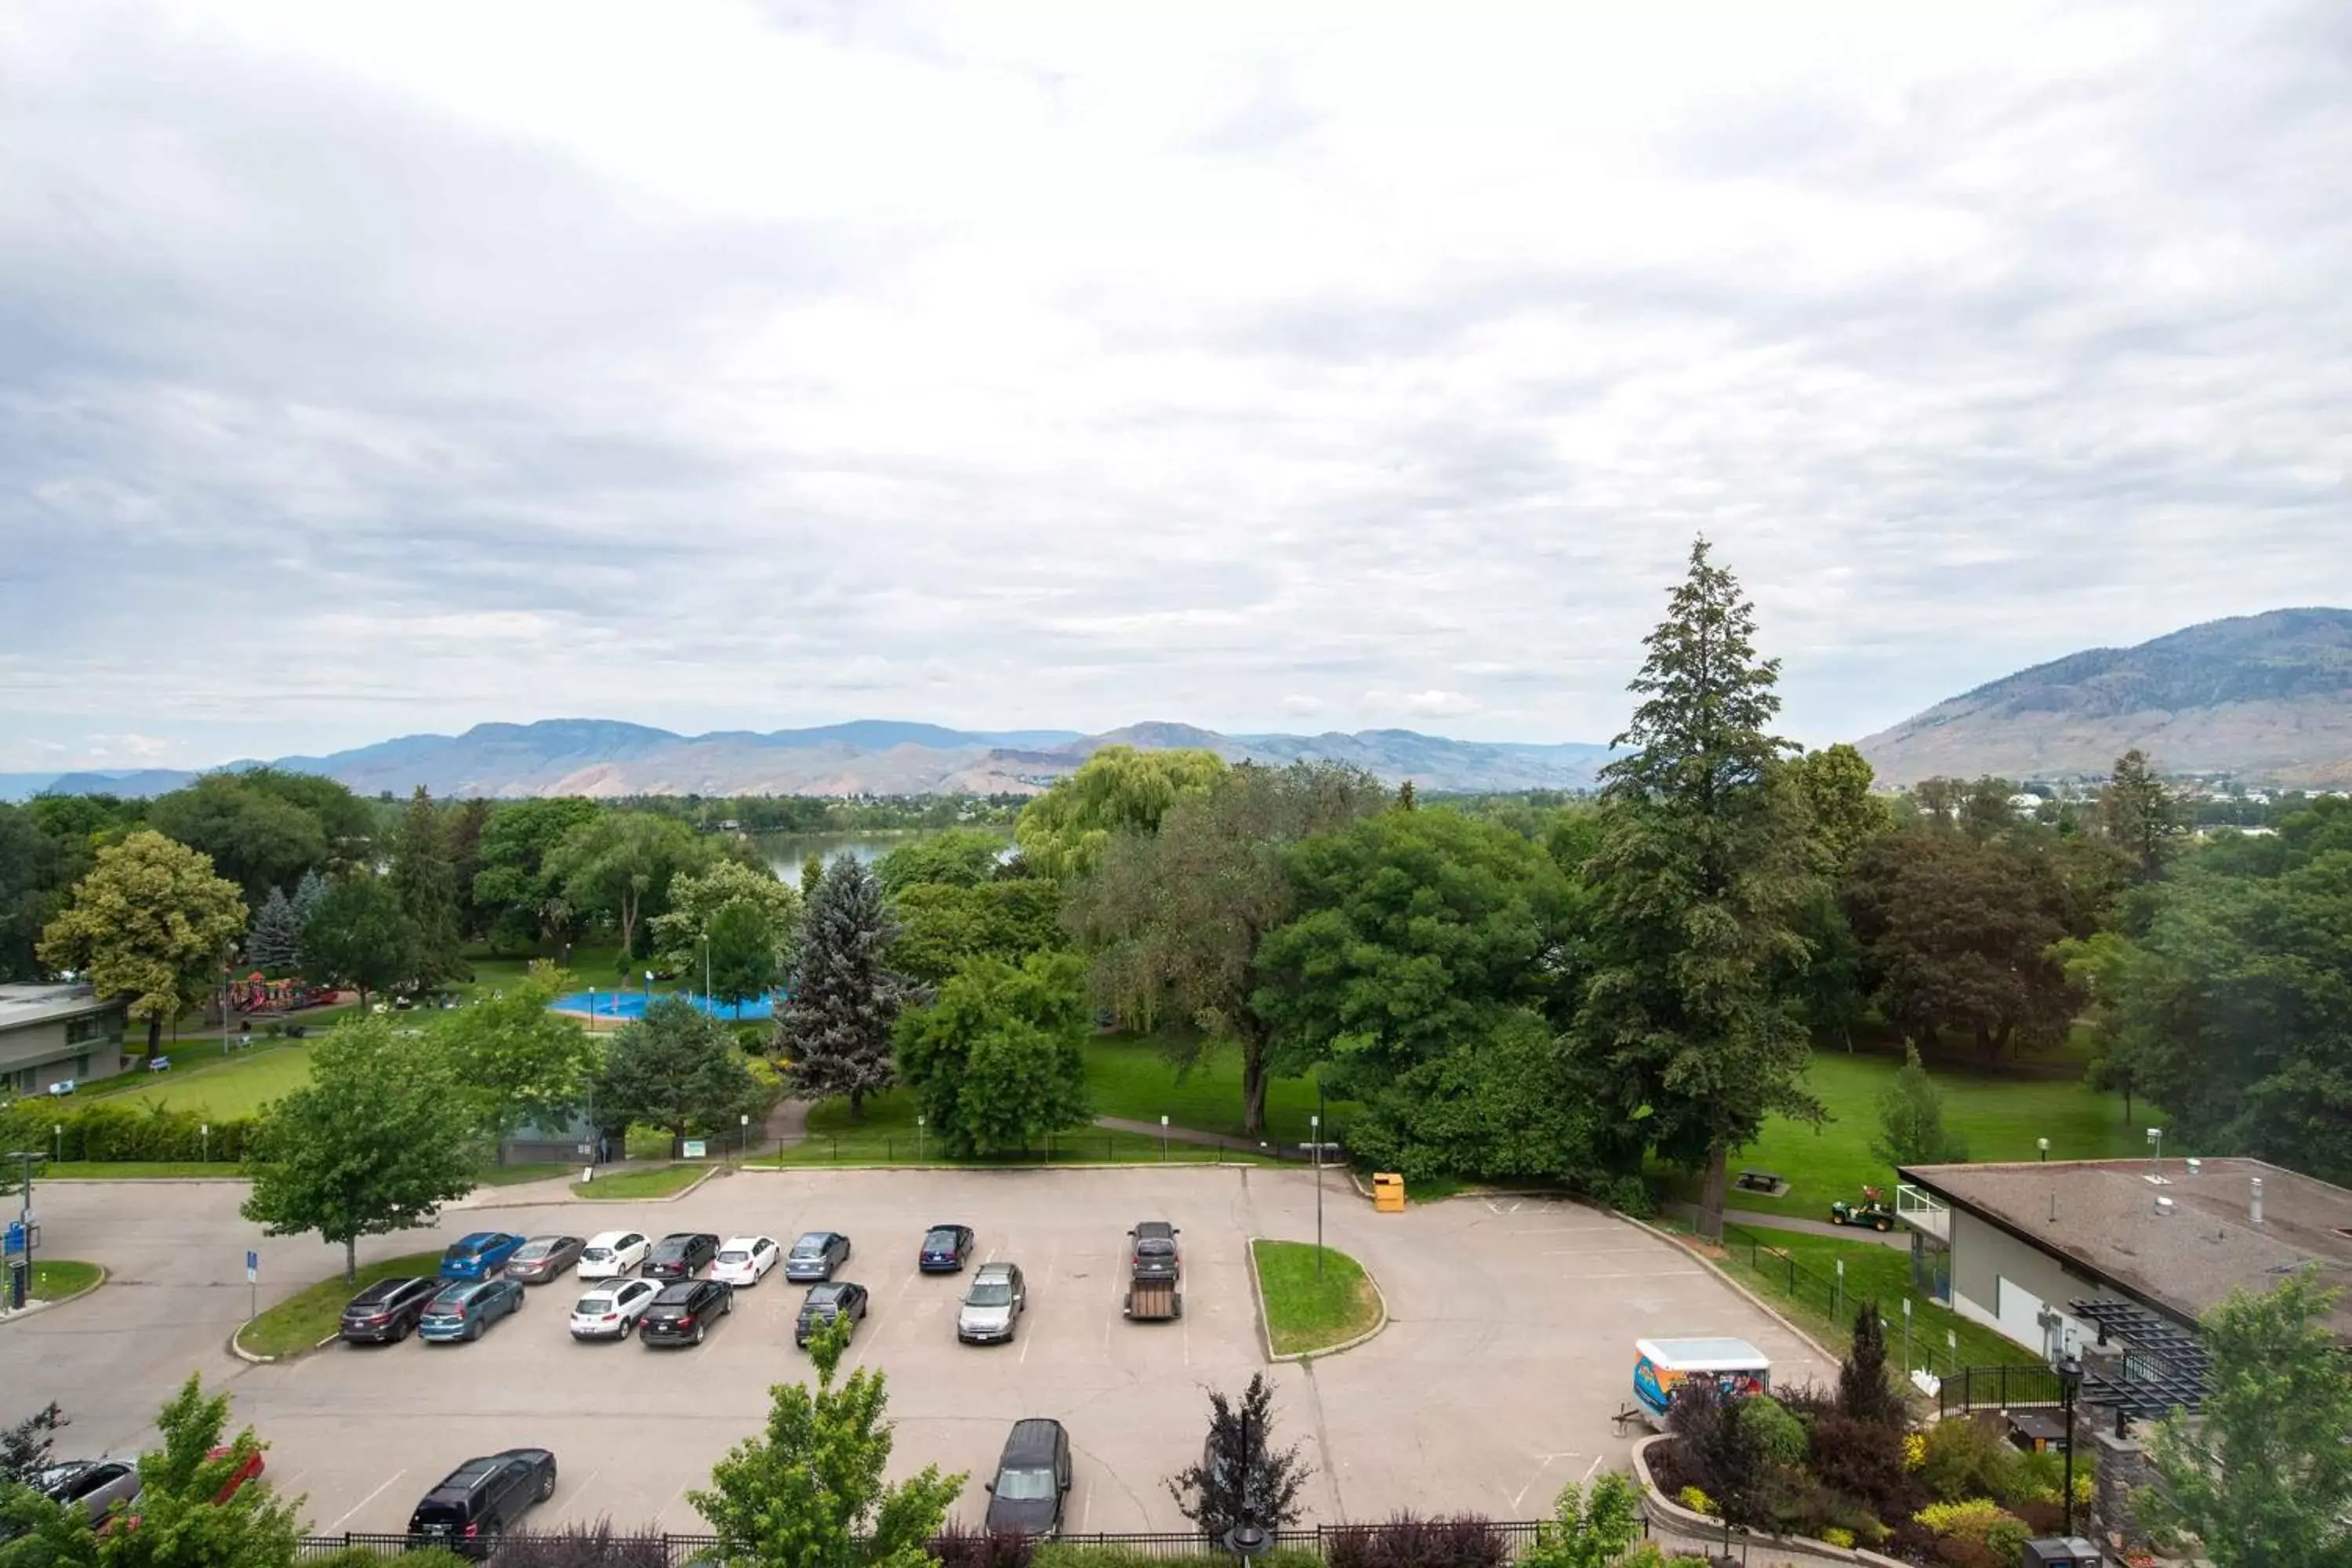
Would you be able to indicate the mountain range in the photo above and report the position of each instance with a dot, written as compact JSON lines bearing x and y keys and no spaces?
{"x":600,"y":757}
{"x":2265,"y":697}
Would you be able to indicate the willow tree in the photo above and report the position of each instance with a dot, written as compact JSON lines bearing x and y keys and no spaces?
{"x":1700,"y":880}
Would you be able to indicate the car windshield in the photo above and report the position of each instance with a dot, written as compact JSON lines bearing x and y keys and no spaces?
{"x":444,"y":1514}
{"x":1023,"y":1485}
{"x":531,"y":1252}
{"x":453,"y":1298}
{"x":597,"y":1254}
{"x":990,"y":1294}
{"x":809,"y":1247}
{"x":940,"y":1240}
{"x":592,"y":1305}
{"x":1152,"y":1246}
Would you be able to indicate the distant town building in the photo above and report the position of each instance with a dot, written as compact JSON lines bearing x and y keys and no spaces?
{"x":50,"y":1034}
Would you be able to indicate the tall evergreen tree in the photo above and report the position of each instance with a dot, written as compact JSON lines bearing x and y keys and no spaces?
{"x":427,"y":887}
{"x":2139,"y":816}
{"x":1701,"y":876}
{"x":837,"y":1026}
{"x":273,"y":944}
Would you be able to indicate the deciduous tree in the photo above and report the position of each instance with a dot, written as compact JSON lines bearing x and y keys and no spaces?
{"x":677,"y":1069}
{"x":359,"y":936}
{"x":811,"y":1488}
{"x":619,"y":864}
{"x":515,"y":890}
{"x":696,"y":897}
{"x":516,"y":1063}
{"x":366,"y":1148}
{"x":739,"y":960}
{"x":33,"y":880}
{"x":960,"y":857}
{"x":254,"y":837}
{"x":1065,"y":831}
{"x":999,"y":1061}
{"x":1685,"y":1027}
{"x":942,"y":924}
{"x":846,"y":992}
{"x":1242,"y":1473}
{"x":151,"y":923}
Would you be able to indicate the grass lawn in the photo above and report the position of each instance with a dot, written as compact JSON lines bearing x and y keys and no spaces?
{"x":888,"y":1135}
{"x":136,"y":1170}
{"x":1998,"y":1118}
{"x":1131,"y":1078}
{"x":515,"y":1175}
{"x":657,"y":1183}
{"x":238,"y":1086}
{"x":1304,"y":1313}
{"x":303,"y":1319}
{"x":61,"y":1278}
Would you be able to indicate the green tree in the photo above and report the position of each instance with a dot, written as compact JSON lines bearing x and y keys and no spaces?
{"x":942,"y":924}
{"x":740,"y":957}
{"x":696,"y":897}
{"x":677,"y":1069}
{"x":2262,"y":1475}
{"x":1504,"y":1104}
{"x":466,"y":825}
{"x":427,"y":888}
{"x":1702,"y":868}
{"x":1065,"y":831}
{"x":2139,"y":816}
{"x":34,"y":878}
{"x":811,"y":875}
{"x":1590,"y":1530}
{"x":619,"y":864}
{"x":366,"y":1148}
{"x":809,"y":1491}
{"x":26,"y":1448}
{"x":1175,"y":919}
{"x":274,"y":943}
{"x":151,"y":923}
{"x":835,"y":1026}
{"x":1845,"y":816}
{"x":1911,"y":1118}
{"x":516,"y":891}
{"x":960,"y":857}
{"x":359,"y":936}
{"x":1410,"y":932}
{"x":255,"y":837}
{"x":999,"y":1061}
{"x":515,"y":1062}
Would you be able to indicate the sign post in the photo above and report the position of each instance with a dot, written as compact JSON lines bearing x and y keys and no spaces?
{"x":252,"y":1285}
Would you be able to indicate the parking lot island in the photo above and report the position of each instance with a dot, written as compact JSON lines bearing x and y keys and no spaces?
{"x":1310,"y":1311}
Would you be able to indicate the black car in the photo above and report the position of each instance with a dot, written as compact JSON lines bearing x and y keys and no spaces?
{"x":834,"y":1298}
{"x":1154,"y":1256}
{"x":480,"y":1500}
{"x":945,"y":1247}
{"x":815,"y":1255}
{"x":680,"y":1256}
{"x":682,"y":1313}
{"x":1033,"y":1477}
{"x":386,"y":1311}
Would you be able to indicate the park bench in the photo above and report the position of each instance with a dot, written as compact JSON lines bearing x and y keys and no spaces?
{"x":1755,"y":1181}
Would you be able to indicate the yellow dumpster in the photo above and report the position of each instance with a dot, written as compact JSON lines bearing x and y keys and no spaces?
{"x":1388,"y":1192}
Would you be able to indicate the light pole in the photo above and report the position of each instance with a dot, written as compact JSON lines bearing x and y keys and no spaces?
{"x":11,"y":1297}
{"x":223,"y":1012}
{"x":2155,"y":1150}
{"x":592,"y":1009}
{"x":2043,"y":1144}
{"x":1314,"y":1131}
{"x":1163,"y":1135}
{"x":2070,"y":1379}
{"x":204,"y":1131}
{"x":1246,"y":1539}
{"x":1907,"y":1336}
{"x":58,"y":1133}
{"x":706,"y":969}
{"x":919,"y":1140}
{"x":743,"y":1142}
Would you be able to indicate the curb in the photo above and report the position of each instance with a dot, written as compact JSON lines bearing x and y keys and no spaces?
{"x":1706,"y":1528}
{"x":1265,"y":1328}
{"x":1753,"y":1300}
{"x":34,"y":1309}
{"x":574,"y":1196}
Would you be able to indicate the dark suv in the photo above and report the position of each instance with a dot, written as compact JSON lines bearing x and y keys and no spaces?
{"x":681,"y":1255}
{"x":681,"y":1314}
{"x":1155,"y":1256}
{"x":386,"y":1311}
{"x":480,"y":1500}
{"x":1033,"y":1477}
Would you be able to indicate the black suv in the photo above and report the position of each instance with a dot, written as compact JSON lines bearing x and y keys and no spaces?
{"x":1033,"y":1477}
{"x":386,"y":1311}
{"x":1155,"y":1256}
{"x":681,"y":1314}
{"x":480,"y":1500}
{"x":680,"y":1257}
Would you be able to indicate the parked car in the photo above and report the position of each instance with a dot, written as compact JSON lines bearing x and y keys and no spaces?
{"x":611,"y":1312}
{"x":479,"y":1255}
{"x":63,"y":1087}
{"x":231,"y":1484}
{"x":612,"y":1253}
{"x":991,"y":1308}
{"x":1032,"y":1478}
{"x":97,"y":1485}
{"x":683,"y":1313}
{"x":482,"y":1499}
{"x":466,"y":1309}
{"x":834,"y":1298}
{"x":681,"y":1254}
{"x":544,"y":1257}
{"x":746,"y":1259}
{"x":945,"y":1247}
{"x":387,"y":1311}
{"x":815,"y":1255}
{"x":1154,"y":1268}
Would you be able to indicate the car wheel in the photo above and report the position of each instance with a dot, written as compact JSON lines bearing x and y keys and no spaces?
{"x":729,"y":1305}
{"x":473,"y":1329}
{"x":700,"y":1330}
{"x":547,"y":1484}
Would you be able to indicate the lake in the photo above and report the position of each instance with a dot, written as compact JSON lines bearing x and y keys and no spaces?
{"x":785,"y":852}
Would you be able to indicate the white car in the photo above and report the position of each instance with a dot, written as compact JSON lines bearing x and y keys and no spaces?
{"x":612,"y":1253}
{"x":610,"y":1311}
{"x":746,"y":1259}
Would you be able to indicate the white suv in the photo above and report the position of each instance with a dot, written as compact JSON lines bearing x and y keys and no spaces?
{"x":612,"y":1253}
{"x":745,"y":1260}
{"x":610,"y":1311}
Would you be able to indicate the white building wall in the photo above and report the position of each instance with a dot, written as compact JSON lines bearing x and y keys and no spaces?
{"x":2004,"y":1284}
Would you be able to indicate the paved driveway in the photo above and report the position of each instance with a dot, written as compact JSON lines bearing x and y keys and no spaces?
{"x":1509,"y":1346}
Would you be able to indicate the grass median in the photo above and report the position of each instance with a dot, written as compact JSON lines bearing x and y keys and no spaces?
{"x":139,"y":1170}
{"x":1305,"y":1313}
{"x":299,"y":1322}
{"x":62,"y":1279}
{"x":662,"y":1182}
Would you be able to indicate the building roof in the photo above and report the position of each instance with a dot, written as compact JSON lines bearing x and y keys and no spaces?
{"x":24,"y":1005}
{"x":2184,"y":1262}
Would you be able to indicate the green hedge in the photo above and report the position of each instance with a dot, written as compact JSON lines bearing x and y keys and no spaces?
{"x":122,"y":1132}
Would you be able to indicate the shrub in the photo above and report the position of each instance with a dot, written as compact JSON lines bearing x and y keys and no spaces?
{"x":1980,"y":1522}
{"x":109,"y":1131}
{"x":1649,"y":1555}
{"x":1062,"y":1554}
{"x":1723,"y":1449}
{"x":1839,"y":1535}
{"x":957,"y":1547}
{"x":1865,"y":1391}
{"x":1780,"y":1435}
{"x":368,"y":1557}
{"x":1627,"y":1194}
{"x":1861,"y":1461}
{"x":1968,"y":1458}
{"x":1697,"y":1502}
{"x":597,"y":1545}
{"x":1409,"y":1541}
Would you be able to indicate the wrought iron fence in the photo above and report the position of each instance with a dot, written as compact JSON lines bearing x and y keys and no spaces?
{"x":1999,"y":1388}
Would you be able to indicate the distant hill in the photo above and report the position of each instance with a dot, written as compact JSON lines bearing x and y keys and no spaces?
{"x":2266,"y":696}
{"x":606,"y":758}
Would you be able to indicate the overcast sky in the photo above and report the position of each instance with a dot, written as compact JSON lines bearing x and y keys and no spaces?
{"x":375,"y":368}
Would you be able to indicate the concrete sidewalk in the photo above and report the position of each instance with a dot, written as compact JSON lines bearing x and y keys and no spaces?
{"x":1861,"y":1235}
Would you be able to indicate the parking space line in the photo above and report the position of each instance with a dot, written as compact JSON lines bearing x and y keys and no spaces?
{"x":579,"y":1493}
{"x":369,"y":1498}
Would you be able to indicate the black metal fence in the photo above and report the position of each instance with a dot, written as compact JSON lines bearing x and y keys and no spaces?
{"x":1999,"y":1388}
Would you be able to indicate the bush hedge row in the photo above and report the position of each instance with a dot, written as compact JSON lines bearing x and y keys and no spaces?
{"x":122,"y":1132}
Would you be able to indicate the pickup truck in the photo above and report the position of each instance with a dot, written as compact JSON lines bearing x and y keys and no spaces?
{"x":1155,"y":1270}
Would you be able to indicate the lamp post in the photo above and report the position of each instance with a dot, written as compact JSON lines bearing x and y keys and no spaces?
{"x":27,"y":1157}
{"x":1246,"y":1539}
{"x":706,"y":969}
{"x":1163,"y":1135}
{"x":58,"y":1134}
{"x":743,"y":1139}
{"x":919,"y":1140}
{"x":204,"y":1131}
{"x":223,"y":1012}
{"x":2155,"y":1152}
{"x":592,"y":1009}
{"x":1314,"y":1131}
{"x":2043,"y":1144}
{"x":2070,"y":1379}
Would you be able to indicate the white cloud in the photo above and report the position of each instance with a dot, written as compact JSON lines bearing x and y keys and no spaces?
{"x":375,"y":368}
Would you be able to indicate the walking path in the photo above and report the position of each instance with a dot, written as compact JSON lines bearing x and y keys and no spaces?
{"x":1265,"y":1146}
{"x":1803,"y":1226}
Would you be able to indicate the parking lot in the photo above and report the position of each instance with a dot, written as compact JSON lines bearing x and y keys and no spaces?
{"x":1510,"y":1343}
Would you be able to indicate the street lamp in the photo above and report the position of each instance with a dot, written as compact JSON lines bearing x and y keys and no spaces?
{"x":1314,"y":1132}
{"x":204,"y":1131}
{"x":1163,"y":1135}
{"x":57,"y":1131}
{"x":706,"y":969}
{"x":2155,"y":1152}
{"x":743,"y":1142}
{"x":1247,"y":1538}
{"x":2070,"y":1380}
{"x":919,"y":1140}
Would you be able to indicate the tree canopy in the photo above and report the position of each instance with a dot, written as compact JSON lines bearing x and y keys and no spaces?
{"x":960,"y":857}
{"x":514,"y":1062}
{"x":151,"y":923}
{"x":619,"y":864}
{"x":1064,"y":832}
{"x":846,"y":991}
{"x":516,"y":890}
{"x":426,"y":885}
{"x":999,"y":1061}
{"x":698,"y":896}
{"x":677,"y":1069}
{"x":942,"y":924}
{"x":358,"y":935}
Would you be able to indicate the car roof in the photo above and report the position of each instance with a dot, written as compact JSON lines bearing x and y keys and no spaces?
{"x":384,"y":1290}
{"x":949,"y":1224}
{"x":994,"y":1271}
{"x":477,"y":1238}
{"x":610,"y":1237}
{"x":551,"y":1240}
{"x":1154,"y":1227}
{"x":1032,"y":1441}
{"x":818,"y":1237}
{"x":680,"y":1291}
{"x":748,"y":1242}
{"x":831,"y":1290}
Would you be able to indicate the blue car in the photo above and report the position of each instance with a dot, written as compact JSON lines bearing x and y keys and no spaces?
{"x":480,"y":1255}
{"x":945,"y":1247}
{"x":464,"y":1311}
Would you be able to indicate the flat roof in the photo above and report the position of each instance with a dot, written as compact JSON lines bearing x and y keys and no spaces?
{"x":1703,"y":1355}
{"x":2183,"y":1263}
{"x":21,"y":1004}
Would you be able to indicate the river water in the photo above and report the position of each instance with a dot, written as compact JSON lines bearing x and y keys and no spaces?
{"x":786,"y":851}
